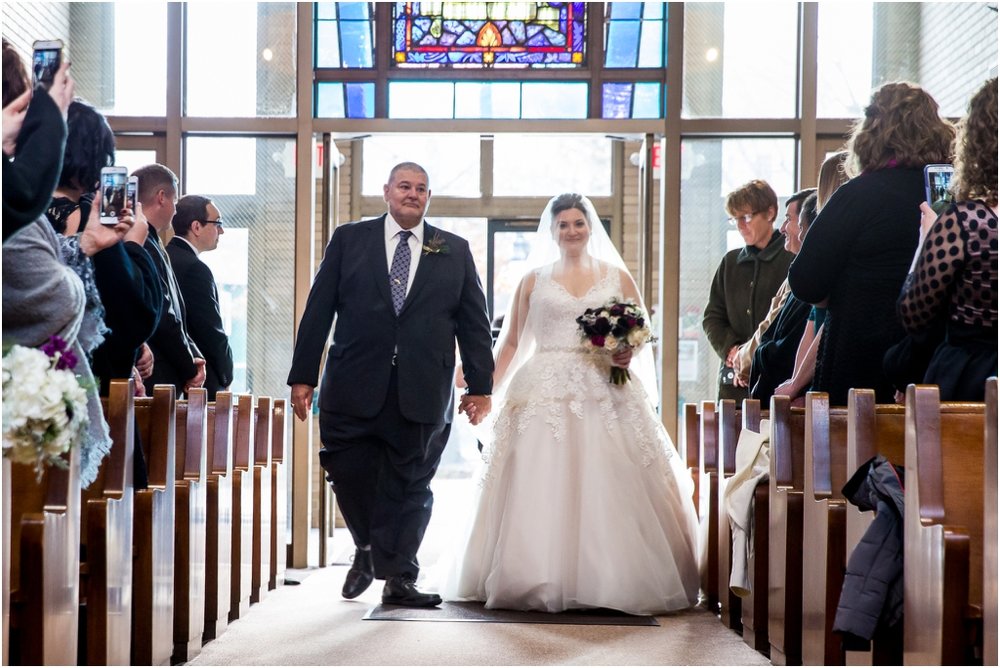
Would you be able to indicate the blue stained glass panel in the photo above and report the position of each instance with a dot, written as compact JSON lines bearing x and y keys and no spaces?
{"x":648,"y":103}
{"x":361,"y":100}
{"x":327,"y":44}
{"x":353,"y":11}
{"x":623,"y":42}
{"x":554,"y":100}
{"x":356,"y":39}
{"x":627,"y":10}
{"x":616,"y":100}
{"x":330,"y":100}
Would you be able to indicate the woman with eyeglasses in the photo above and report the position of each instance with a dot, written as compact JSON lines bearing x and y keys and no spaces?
{"x":746,"y":280}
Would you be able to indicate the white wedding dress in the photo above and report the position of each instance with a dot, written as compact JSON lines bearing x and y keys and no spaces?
{"x":584,"y":502}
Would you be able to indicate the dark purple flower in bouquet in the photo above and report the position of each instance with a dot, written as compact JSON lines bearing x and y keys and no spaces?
{"x":57,"y":349}
{"x":597,"y":341}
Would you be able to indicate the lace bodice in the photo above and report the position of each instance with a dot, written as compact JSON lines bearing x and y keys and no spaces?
{"x":563,"y":380}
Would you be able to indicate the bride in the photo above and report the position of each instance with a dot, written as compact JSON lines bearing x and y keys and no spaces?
{"x":584,"y":502}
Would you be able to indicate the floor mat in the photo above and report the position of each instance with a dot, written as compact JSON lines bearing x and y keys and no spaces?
{"x":466,"y":611}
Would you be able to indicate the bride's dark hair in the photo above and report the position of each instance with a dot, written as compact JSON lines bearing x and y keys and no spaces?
{"x":568,"y":201}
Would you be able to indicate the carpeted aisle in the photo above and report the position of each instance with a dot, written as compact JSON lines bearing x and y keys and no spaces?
{"x":311,"y":624}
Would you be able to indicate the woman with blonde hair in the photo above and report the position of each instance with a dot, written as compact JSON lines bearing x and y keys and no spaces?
{"x":855,"y":257}
{"x":954,"y":275}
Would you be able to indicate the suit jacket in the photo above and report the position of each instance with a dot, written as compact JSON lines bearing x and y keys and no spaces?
{"x":445,"y":303}
{"x":204,"y":318}
{"x":173,"y":350}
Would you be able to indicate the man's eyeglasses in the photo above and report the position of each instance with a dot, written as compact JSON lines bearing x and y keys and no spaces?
{"x":214,"y":222}
{"x":745,"y":219}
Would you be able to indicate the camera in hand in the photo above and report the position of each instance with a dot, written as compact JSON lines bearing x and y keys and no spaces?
{"x":114,"y":187}
{"x":727,"y":375}
{"x":46,"y":58}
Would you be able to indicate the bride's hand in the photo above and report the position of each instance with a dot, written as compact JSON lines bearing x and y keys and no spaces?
{"x":622,"y":357}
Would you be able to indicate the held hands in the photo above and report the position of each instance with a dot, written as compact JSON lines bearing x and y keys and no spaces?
{"x":302,"y":399}
{"x":475,"y":406}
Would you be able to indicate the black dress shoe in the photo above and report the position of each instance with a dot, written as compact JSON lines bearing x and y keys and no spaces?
{"x":400,"y":590}
{"x":360,"y":576}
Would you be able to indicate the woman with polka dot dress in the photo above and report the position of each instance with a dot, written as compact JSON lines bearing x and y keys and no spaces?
{"x":954,"y":273}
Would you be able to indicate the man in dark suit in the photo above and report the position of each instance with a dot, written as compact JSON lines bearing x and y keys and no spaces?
{"x":197,"y":228}
{"x":176,"y":358}
{"x":402,"y":292}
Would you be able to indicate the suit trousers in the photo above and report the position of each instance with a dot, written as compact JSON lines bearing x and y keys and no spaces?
{"x":381,"y":469}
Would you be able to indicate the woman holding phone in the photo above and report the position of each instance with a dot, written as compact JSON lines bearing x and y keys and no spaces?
{"x":855,"y":257}
{"x":954,"y":272}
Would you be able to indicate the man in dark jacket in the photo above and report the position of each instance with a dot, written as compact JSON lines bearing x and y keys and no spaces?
{"x":197,"y":228}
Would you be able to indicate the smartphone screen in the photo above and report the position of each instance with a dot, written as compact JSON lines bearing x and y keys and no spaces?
{"x":131,"y":192}
{"x":45,"y":62}
{"x":114,"y":184}
{"x":937,"y":184}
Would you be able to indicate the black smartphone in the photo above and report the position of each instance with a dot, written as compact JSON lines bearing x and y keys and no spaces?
{"x":46,"y":59}
{"x":937,"y":186}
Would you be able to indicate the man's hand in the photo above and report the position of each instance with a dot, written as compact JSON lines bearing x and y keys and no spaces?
{"x":13,"y":119}
{"x":731,"y":356}
{"x":199,"y":377}
{"x":139,"y":387}
{"x":302,"y":400}
{"x":144,"y":364}
{"x":475,"y":406}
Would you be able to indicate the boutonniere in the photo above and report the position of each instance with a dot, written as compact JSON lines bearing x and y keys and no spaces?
{"x":436,"y":245}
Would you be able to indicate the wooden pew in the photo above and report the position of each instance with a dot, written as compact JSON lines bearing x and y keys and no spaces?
{"x":872,"y":429}
{"x":709,"y":511}
{"x":45,"y":564}
{"x":218,"y":515}
{"x":692,"y":447}
{"x":262,"y":527}
{"x":730,"y":605}
{"x":106,"y":541}
{"x":190,"y":525}
{"x":824,"y":513}
{"x":784,"y":573}
{"x":153,"y":533}
{"x":279,"y":495}
{"x":990,"y":528}
{"x":7,"y":530}
{"x":754,"y":605}
{"x":943,"y":530}
{"x":241,"y":545}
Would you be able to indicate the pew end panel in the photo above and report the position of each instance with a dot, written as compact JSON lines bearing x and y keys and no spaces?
{"x":241,"y":546}
{"x":106,"y":576}
{"x":943,"y":549}
{"x":754,"y":605}
{"x":729,"y":424}
{"x":990,"y":527}
{"x":219,"y":516}
{"x":190,"y":528}
{"x":785,"y":501}
{"x":153,"y":533}
{"x":262,"y":527}
{"x":708,"y":503}
{"x":279,"y":494}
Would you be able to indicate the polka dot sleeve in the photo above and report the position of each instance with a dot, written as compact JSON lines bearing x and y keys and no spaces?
{"x":956,"y":273}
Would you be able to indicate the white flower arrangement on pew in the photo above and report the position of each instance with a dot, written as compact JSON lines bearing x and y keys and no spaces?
{"x":44,"y":405}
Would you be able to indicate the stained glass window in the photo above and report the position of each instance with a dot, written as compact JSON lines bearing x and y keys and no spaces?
{"x":487,"y":34}
{"x":631,"y":100}
{"x":344,"y":34}
{"x":635,"y":34}
{"x":345,"y":100}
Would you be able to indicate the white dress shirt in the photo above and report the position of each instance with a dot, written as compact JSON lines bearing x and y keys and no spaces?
{"x":416,"y":242}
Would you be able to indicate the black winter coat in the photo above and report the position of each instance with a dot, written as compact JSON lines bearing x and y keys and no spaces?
{"x":872,"y":597}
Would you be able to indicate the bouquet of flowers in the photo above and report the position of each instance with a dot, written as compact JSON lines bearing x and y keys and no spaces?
{"x":44,"y":406}
{"x":613,"y":327}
